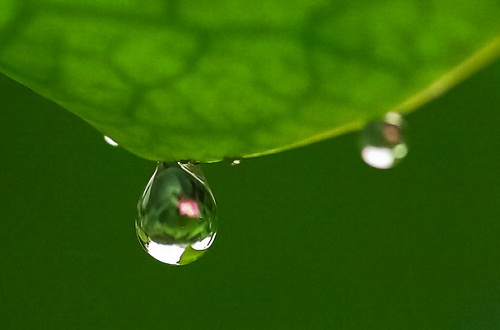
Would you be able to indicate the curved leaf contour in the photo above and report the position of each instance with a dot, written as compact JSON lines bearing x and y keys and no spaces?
{"x":205,"y":80}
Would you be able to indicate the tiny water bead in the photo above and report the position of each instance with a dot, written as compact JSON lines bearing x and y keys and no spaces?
{"x":110,"y":141}
{"x":233,"y":161}
{"x":383,"y":142}
{"x":177,"y":214}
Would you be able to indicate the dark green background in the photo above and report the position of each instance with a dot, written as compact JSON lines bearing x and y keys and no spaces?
{"x":309,"y":239}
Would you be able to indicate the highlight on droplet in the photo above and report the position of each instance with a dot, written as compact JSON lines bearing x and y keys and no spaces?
{"x":169,"y":254}
{"x":110,"y":141}
{"x":378,"y":157}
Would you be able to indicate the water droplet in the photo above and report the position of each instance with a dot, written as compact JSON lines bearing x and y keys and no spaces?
{"x":383,"y":143}
{"x":233,"y":161}
{"x":177,"y":220}
{"x":110,"y":141}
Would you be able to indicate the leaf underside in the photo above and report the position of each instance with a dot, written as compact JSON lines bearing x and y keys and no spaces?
{"x":204,"y":80}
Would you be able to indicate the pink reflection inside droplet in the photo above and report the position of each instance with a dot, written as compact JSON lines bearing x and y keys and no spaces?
{"x":189,"y":208}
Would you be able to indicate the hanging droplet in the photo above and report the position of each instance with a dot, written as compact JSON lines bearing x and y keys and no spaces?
{"x":177,"y":220}
{"x":383,"y":143}
{"x":233,"y":161}
{"x":110,"y":141}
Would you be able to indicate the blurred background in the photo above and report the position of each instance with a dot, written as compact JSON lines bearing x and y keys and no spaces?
{"x":309,"y":239}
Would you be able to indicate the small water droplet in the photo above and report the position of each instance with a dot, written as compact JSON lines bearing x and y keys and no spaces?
{"x":110,"y":141}
{"x":177,"y":214}
{"x":383,"y":142}
{"x":233,"y":161}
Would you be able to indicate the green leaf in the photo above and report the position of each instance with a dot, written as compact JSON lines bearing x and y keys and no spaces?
{"x":204,"y":80}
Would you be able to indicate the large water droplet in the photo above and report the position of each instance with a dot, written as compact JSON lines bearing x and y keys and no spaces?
{"x":383,"y":143}
{"x":177,"y":220}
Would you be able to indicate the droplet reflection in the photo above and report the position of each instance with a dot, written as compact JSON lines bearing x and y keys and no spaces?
{"x":177,"y":220}
{"x":383,"y":144}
